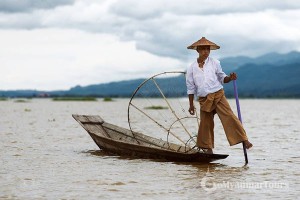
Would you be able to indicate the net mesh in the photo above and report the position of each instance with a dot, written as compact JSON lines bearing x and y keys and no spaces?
{"x":159,"y":108}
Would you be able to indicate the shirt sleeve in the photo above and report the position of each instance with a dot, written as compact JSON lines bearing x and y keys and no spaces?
{"x":220,"y":74}
{"x":190,"y":84}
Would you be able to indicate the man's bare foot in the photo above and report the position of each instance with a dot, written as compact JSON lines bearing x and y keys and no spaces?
{"x":204,"y":150}
{"x":208,"y":151}
{"x":248,"y":144}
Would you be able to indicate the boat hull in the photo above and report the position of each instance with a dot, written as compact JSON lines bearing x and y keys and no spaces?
{"x":122,"y":141}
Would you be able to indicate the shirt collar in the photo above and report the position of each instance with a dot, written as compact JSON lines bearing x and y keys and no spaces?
{"x":205,"y":61}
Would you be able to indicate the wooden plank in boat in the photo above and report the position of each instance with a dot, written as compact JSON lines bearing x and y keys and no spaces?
{"x":96,"y":129}
{"x":122,"y":137}
{"x":155,"y":141}
{"x":89,"y":119}
{"x":95,"y":119}
{"x":118,"y":129}
{"x":143,"y":139}
{"x":124,"y":132}
{"x":80,"y":118}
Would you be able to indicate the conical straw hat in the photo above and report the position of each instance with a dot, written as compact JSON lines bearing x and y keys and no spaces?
{"x":204,"y":42}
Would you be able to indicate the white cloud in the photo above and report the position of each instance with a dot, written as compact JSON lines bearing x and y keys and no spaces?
{"x":152,"y":9}
{"x":28,"y":5}
{"x":59,"y":59}
{"x":165,"y":28}
{"x":148,"y":33}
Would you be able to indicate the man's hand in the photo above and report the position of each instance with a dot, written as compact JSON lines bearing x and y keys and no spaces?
{"x":192,"y":110}
{"x":233,"y":76}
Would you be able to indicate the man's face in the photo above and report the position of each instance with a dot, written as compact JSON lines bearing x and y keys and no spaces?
{"x":203,"y":51}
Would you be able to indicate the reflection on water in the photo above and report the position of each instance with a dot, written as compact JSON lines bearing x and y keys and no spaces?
{"x":46,"y":154}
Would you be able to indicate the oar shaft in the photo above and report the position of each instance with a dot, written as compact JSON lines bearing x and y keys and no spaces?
{"x":236,"y":95}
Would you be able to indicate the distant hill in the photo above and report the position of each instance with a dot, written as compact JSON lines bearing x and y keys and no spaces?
{"x":269,"y":76}
{"x":268,"y":80}
{"x":113,"y":89}
{"x":230,"y":64}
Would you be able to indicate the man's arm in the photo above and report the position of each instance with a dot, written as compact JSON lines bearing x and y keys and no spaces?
{"x":191,"y":101}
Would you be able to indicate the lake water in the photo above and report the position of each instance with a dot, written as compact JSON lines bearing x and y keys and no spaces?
{"x":46,"y":154}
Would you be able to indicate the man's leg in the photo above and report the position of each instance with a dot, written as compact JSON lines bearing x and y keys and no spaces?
{"x":233,"y":128}
{"x":205,"y":137}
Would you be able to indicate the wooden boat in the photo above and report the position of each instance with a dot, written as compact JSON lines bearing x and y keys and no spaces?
{"x":121,"y":141}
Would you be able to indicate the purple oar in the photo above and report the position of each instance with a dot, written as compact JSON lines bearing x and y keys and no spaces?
{"x":239,"y":115}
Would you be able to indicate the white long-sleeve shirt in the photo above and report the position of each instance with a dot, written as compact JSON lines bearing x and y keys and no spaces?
{"x":202,"y":82}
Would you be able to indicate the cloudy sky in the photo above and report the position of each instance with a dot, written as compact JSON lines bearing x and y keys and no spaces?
{"x":57,"y":44}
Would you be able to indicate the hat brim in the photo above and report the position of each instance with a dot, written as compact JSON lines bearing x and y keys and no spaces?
{"x":204,"y":42}
{"x":212,"y":47}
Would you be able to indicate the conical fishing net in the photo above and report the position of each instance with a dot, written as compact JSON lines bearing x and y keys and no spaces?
{"x":159,"y":108}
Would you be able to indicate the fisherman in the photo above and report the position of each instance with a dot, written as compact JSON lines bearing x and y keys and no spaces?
{"x":204,"y":78}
